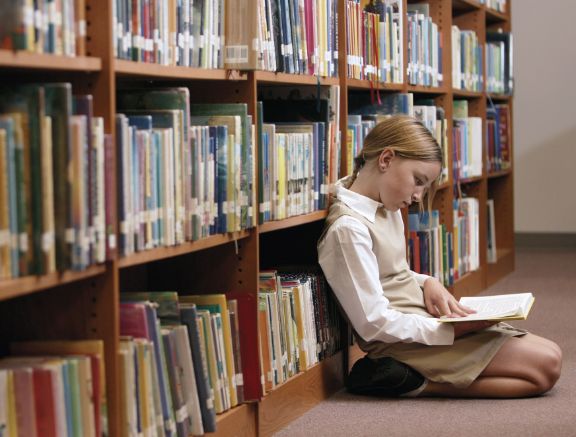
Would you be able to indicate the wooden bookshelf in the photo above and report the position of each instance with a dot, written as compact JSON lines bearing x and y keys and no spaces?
{"x":20,"y":60}
{"x":85,"y":304}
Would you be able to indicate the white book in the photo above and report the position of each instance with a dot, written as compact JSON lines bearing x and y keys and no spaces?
{"x":498,"y":307}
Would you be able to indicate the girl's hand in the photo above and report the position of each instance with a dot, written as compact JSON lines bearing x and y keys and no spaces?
{"x":439,"y":302}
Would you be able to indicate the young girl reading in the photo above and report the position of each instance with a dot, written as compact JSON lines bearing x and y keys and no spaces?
{"x":392,"y":309}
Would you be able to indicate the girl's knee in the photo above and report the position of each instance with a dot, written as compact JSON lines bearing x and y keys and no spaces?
{"x":549,"y":366}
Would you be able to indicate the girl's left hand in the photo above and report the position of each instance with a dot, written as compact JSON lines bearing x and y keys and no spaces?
{"x":439,"y":302}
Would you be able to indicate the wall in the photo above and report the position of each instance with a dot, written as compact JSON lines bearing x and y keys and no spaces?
{"x":544,"y":116}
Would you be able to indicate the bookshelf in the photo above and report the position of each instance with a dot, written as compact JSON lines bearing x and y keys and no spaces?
{"x":85,"y":304}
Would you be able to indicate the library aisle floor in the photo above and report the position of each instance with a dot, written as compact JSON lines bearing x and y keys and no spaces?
{"x":550,"y":274}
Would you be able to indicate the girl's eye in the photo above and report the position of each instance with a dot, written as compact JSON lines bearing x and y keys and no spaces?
{"x":419,"y":182}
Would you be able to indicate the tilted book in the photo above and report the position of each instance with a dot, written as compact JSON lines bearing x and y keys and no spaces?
{"x":498,"y":308}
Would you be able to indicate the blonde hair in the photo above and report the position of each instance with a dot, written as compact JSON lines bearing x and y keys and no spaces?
{"x":407,"y":137}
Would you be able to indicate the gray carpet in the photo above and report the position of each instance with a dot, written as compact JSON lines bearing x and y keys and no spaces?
{"x":550,"y":273}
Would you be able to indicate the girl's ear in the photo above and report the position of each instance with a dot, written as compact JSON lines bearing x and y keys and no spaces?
{"x":385,"y":159}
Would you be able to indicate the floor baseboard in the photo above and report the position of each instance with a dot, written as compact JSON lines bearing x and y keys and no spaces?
{"x":537,"y":239}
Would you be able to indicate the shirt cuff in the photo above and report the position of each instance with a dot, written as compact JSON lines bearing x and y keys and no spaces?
{"x":420,"y":278}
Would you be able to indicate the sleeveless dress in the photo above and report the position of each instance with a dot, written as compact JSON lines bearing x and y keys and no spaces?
{"x":458,"y":364}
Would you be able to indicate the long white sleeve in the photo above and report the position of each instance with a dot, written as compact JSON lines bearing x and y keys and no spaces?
{"x":351,"y":268}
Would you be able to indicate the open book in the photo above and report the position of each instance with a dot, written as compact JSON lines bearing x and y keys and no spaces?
{"x":500,"y":307}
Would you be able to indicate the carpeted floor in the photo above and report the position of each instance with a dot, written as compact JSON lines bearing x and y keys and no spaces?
{"x":550,"y":273}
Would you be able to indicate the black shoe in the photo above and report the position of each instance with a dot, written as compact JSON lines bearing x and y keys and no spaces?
{"x":382,"y":377}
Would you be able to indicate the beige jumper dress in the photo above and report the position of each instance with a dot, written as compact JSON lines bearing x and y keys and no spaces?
{"x":458,"y":364}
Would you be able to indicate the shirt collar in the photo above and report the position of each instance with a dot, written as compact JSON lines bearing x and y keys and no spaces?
{"x":363,"y":205}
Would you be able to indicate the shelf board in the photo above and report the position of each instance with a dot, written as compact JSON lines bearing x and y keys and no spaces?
{"x":499,"y":174}
{"x":493,"y":16}
{"x":465,"y":93}
{"x":292,"y":221}
{"x":156,"y":71}
{"x":299,"y":79}
{"x":464,"y":6}
{"x":157,"y":254}
{"x":499,"y":97}
{"x":470,"y":284}
{"x":426,"y":89}
{"x":503,"y":266}
{"x":11,"y":288}
{"x":242,"y":417}
{"x":471,"y":180}
{"x":300,"y":393}
{"x":48,"y":62}
{"x":366,"y":85}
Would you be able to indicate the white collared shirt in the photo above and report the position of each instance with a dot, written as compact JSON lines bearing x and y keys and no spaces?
{"x":355,"y":280}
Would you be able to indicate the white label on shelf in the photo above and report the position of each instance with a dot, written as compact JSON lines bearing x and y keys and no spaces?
{"x":239,"y":379}
{"x":112,"y":241}
{"x":5,"y":238}
{"x":47,"y":241}
{"x":182,"y":413}
{"x":81,"y":28}
{"x":23,"y":243}
{"x":69,"y":235}
{"x":28,"y":15}
{"x":210,"y":403}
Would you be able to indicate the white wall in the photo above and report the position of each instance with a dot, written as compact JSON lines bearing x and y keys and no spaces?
{"x":544,"y":115}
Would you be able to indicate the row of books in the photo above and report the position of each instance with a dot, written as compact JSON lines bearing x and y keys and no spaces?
{"x":366,"y":116}
{"x":374,"y":41}
{"x":467,"y":62}
{"x":299,"y":153}
{"x":186,"y":170}
{"x":188,"y":33}
{"x":299,"y":324}
{"x":499,"y":63}
{"x":466,"y":142}
{"x":425,"y":49}
{"x":466,"y":236}
{"x":497,"y":5}
{"x":498,"y":138}
{"x":430,"y":246}
{"x":53,"y":388}
{"x":53,"y":213}
{"x":44,"y":27}
{"x":180,"y":361}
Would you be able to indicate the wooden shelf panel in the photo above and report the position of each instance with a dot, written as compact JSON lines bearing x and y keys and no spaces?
{"x":298,"y":79}
{"x":493,"y":16}
{"x":157,"y":71}
{"x":182,"y":249}
{"x":470,"y":284}
{"x":296,"y":396}
{"x":240,"y":421}
{"x":11,"y":288}
{"x":463,"y":6}
{"x":467,"y":94}
{"x":471,"y":180}
{"x":292,"y":221}
{"x":357,"y":84}
{"x":503,"y":266}
{"x":499,"y":97}
{"x":499,"y":174}
{"x":47,"y":62}
{"x":426,"y":89}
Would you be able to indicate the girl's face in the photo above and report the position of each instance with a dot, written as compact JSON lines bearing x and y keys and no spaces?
{"x":403,"y":181}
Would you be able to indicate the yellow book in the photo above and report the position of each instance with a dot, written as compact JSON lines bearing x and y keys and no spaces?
{"x":12,"y":429}
{"x":502,"y":307}
{"x":216,"y":303}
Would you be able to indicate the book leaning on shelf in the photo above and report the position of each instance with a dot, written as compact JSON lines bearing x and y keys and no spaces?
{"x":501,"y":307}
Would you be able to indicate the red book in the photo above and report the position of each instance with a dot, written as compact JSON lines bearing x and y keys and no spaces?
{"x":248,"y":322}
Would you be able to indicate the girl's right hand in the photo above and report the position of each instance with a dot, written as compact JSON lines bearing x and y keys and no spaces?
{"x":463,"y":328}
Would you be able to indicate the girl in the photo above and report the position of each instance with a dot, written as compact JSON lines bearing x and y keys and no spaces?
{"x":391,"y":308}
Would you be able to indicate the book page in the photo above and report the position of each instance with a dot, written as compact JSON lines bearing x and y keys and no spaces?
{"x":495,"y":307}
